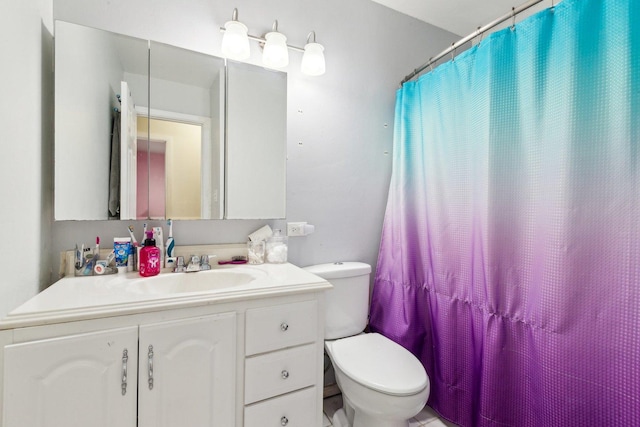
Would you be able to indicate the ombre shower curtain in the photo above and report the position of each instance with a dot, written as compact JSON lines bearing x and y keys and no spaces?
{"x":510,"y":253}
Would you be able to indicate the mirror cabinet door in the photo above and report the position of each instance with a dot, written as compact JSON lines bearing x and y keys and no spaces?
{"x":90,"y":67}
{"x":256,"y":142}
{"x":186,"y":135}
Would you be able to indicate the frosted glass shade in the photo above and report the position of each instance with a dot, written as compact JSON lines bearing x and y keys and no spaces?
{"x":313,"y":60}
{"x":276,"y":53}
{"x":235,"y":42}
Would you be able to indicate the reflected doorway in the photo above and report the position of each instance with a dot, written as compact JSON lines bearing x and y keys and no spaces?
{"x":173,"y":169}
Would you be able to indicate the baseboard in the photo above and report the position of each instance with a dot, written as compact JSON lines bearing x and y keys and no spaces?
{"x":330,"y":390}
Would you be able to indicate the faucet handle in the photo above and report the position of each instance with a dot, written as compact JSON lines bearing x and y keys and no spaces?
{"x":179,"y":265}
{"x":204,"y":262}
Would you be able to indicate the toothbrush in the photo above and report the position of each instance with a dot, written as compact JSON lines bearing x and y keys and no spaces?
{"x":144,"y":231}
{"x":78,"y":260}
{"x":170,"y":243}
{"x":134,"y":242}
{"x":96,"y":251}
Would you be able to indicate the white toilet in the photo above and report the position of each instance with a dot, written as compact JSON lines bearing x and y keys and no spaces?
{"x":382,"y":383}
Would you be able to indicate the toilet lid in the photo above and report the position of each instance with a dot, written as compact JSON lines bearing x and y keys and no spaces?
{"x":380,"y":364}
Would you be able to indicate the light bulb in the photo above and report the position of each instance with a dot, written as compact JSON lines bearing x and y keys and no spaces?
{"x":276,"y":53}
{"x":313,"y":60}
{"x":235,"y":42}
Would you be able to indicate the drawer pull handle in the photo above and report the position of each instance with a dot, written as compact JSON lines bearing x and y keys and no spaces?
{"x":284,"y":326}
{"x":284,"y":374}
{"x":284,"y":421}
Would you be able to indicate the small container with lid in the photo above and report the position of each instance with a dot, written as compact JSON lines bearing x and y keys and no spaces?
{"x":150,"y":262}
{"x":277,"y":248}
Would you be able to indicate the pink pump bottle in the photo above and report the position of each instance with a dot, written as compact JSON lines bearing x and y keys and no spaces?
{"x":149,"y":257}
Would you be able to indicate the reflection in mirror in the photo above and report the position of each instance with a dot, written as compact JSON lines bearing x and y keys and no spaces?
{"x":90,"y":66}
{"x":175,"y":178}
{"x":187,"y":108}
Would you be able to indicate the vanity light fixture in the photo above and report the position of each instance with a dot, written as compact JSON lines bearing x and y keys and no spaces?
{"x":276,"y":53}
{"x":313,"y":57}
{"x":235,"y":42}
{"x":276,"y":49}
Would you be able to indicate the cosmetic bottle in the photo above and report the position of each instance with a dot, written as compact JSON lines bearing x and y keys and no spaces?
{"x":150,"y":261}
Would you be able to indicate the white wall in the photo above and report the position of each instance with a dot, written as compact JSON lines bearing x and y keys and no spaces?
{"x":340,"y":125}
{"x":180,"y":98}
{"x":26,"y":162}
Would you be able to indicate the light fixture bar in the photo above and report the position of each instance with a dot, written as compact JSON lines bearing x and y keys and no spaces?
{"x":263,"y":40}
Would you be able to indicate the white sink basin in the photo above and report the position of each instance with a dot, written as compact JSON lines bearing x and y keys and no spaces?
{"x":201,"y":281}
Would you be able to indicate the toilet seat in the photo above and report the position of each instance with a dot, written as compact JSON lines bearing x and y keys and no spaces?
{"x":380,"y":364}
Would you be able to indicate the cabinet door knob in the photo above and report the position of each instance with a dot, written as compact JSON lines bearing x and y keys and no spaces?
{"x":284,"y":421}
{"x":284,"y":374}
{"x":125,"y":358}
{"x":150,"y":372}
{"x":284,"y":326}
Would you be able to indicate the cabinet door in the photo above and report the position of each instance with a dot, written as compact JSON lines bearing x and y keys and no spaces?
{"x":187,"y":373}
{"x":76,"y":381}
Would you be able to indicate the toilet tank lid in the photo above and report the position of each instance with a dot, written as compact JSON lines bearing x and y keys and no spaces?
{"x":339,"y":270}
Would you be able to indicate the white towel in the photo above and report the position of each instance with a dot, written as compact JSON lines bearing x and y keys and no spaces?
{"x":262,"y":234}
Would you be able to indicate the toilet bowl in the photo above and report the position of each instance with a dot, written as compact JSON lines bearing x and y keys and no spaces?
{"x":382,"y":383}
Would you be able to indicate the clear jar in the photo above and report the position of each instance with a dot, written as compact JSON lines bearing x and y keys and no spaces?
{"x":277,"y":248}
{"x":255,"y":252}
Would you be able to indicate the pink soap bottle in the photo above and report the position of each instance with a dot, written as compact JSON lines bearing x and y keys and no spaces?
{"x":149,"y":257}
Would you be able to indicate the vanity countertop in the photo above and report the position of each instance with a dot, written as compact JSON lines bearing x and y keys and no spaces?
{"x":81,"y":298}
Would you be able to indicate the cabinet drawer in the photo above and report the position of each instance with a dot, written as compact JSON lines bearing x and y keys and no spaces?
{"x":279,"y":372}
{"x":291,"y":410}
{"x":280,"y":326}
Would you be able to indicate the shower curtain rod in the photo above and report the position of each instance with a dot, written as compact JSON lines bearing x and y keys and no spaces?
{"x":476,"y":33}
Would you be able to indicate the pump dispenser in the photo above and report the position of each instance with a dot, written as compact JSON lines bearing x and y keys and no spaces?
{"x":150,"y":261}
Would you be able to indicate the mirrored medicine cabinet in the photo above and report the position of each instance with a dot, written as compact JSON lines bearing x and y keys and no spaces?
{"x":145,"y":130}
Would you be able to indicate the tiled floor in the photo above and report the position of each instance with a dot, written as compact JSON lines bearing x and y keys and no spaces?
{"x":426,"y":418}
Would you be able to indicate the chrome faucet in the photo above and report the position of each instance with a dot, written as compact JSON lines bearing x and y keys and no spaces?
{"x":198,"y":263}
{"x":194,"y":264}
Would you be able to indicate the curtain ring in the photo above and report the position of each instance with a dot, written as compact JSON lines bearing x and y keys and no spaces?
{"x":553,"y":5}
{"x":513,"y":18}
{"x":453,"y":52}
{"x":431,"y":63}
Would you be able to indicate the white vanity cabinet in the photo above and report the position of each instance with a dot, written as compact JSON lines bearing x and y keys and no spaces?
{"x":185,"y":368}
{"x":233,"y":357}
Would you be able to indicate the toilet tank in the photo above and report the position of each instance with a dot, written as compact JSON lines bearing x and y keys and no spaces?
{"x":347,"y":304}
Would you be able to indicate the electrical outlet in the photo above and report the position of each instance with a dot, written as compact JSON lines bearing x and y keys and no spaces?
{"x":295,"y":228}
